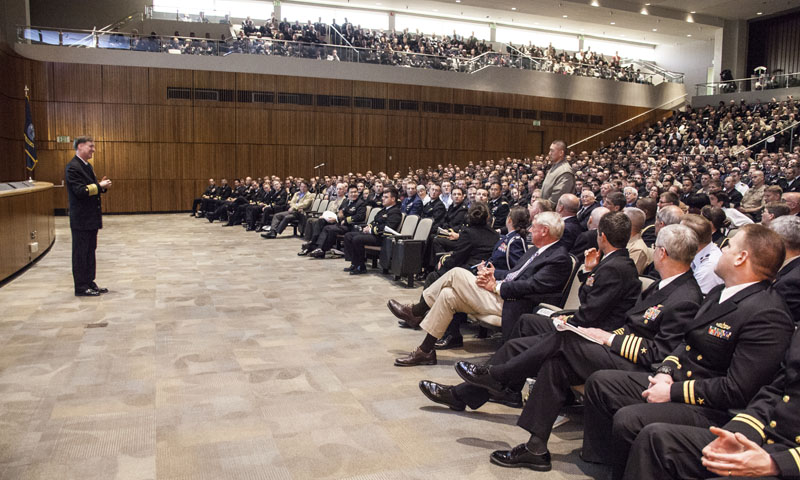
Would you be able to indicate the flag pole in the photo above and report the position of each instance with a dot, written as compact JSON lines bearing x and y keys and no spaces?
{"x":30,"y":172}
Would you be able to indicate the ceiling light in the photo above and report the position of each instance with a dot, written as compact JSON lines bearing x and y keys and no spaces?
{"x":458,"y":1}
{"x":689,"y":35}
{"x":689,"y":19}
{"x":759,"y":13}
{"x":514,"y":8}
{"x":643,"y":11}
{"x":655,"y":29}
{"x":693,"y":12}
{"x":564,"y":16}
{"x":595,"y":3}
{"x":613,"y":23}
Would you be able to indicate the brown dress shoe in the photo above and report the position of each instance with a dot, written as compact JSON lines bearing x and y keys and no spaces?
{"x":403,"y":312}
{"x":417,"y":357}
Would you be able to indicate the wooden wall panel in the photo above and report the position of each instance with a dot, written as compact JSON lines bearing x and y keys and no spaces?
{"x":366,"y":159}
{"x":215,"y":124}
{"x":167,"y":160}
{"x":336,"y":159}
{"x":295,"y":84}
{"x":161,"y":78}
{"x":403,"y":131}
{"x":125,"y":122}
{"x":292,"y":127}
{"x":128,"y":196}
{"x":369,"y":130}
{"x":40,"y":80}
{"x":469,"y":134}
{"x":76,"y":119}
{"x":166,"y":196}
{"x":254,"y":126}
{"x":370,"y":89}
{"x":295,"y":160}
{"x":125,"y":85}
{"x":255,"y":82}
{"x":170,"y":123}
{"x":256,"y":160}
{"x":331,"y":130}
{"x":73,"y":82}
{"x":438,"y":133}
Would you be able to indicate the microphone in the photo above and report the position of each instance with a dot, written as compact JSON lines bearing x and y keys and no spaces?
{"x":320,"y":165}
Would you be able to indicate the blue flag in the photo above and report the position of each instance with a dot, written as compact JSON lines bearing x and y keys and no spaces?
{"x":30,"y":135}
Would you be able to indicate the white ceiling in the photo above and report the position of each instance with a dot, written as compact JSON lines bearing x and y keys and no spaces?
{"x":665,"y":22}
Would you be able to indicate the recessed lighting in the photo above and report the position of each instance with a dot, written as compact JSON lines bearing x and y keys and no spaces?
{"x":692,"y":12}
{"x":759,"y":13}
{"x":643,"y":11}
{"x":458,"y":1}
{"x":595,"y":3}
{"x":514,"y":8}
{"x":564,"y":16}
{"x":689,"y":19}
{"x":689,"y":35}
{"x":655,"y":29}
{"x":613,"y":23}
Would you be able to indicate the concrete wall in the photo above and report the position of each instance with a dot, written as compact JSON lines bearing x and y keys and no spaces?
{"x":82,"y":14}
{"x":496,"y":79}
{"x":693,"y":58}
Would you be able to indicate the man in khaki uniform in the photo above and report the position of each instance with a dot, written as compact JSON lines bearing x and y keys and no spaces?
{"x":559,"y":179}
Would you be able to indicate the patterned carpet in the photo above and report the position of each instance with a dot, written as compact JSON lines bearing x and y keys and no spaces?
{"x":226,"y":356}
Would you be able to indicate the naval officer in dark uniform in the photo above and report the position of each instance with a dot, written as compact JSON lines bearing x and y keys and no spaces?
{"x":85,"y":216}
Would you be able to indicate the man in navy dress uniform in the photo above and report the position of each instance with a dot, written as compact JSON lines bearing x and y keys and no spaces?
{"x":85,"y":216}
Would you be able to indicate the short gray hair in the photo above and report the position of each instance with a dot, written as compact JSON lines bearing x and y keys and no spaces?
{"x":669,"y":215}
{"x":552,"y":221}
{"x":637,"y":217}
{"x":679,"y":241}
{"x":596,"y":215}
{"x":788,"y":227}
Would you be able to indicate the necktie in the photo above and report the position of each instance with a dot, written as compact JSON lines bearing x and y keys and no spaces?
{"x":512,"y":275}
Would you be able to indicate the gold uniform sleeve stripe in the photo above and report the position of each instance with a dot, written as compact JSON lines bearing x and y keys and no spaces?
{"x":685,"y":392}
{"x":796,"y":457}
{"x":750,"y":423}
{"x":625,"y":344}
{"x":619,"y":331}
{"x":636,"y":350}
{"x":631,"y":347}
{"x":673,"y":359}
{"x":752,"y":419}
{"x":92,"y":189}
{"x":691,"y":391}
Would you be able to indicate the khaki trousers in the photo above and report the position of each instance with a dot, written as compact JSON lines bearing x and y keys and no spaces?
{"x":456,"y":291}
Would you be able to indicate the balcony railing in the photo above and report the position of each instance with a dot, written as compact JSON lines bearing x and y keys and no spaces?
{"x":323,"y":51}
{"x":755,"y":83}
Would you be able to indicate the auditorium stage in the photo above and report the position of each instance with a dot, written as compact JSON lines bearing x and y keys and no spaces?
{"x":226,"y":356}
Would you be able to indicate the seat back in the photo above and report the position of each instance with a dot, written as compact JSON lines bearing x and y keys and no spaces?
{"x":409,"y":225}
{"x":732,"y":232}
{"x":567,"y":291}
{"x":646,"y":282}
{"x":372,"y":214}
{"x":323,"y":204}
{"x":315,"y":205}
{"x":573,"y":301}
{"x":332,"y":206}
{"x":423,"y":229}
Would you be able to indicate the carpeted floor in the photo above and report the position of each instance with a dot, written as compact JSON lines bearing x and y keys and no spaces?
{"x":226,"y":356}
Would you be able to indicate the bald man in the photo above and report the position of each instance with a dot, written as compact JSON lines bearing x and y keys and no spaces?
{"x":567,"y":207}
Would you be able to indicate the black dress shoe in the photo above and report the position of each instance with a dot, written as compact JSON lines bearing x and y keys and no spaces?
{"x":307,"y":246}
{"x":99,"y":289}
{"x":521,"y":457}
{"x":302,"y":253}
{"x":317,"y":253}
{"x":359,"y":270}
{"x":416,"y":357}
{"x":442,"y":394}
{"x":449,"y":341}
{"x":404,"y":312}
{"x":89,"y":292}
{"x":508,"y":398}
{"x":404,"y":324}
{"x":349,"y":269}
{"x":479,"y":376}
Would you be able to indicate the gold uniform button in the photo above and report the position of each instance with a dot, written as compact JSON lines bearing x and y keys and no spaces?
{"x":797,"y":439}
{"x":689,"y":374}
{"x":786,"y":399}
{"x":770,"y":441}
{"x":699,"y":357}
{"x":688,"y":347}
{"x":773,"y":424}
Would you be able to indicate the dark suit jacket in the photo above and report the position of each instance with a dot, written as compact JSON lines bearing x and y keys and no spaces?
{"x":474,"y":245}
{"x":649,"y":233}
{"x":390,"y":217}
{"x":456,"y":217}
{"x":788,"y":286}
{"x":572,"y":229}
{"x":541,"y":282}
{"x":583,"y":216}
{"x":585,"y":241}
{"x":608,"y":292}
{"x":732,"y":348}
{"x":83,"y":192}
{"x":658,"y":321}
{"x":436,"y":210}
